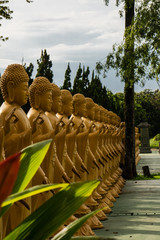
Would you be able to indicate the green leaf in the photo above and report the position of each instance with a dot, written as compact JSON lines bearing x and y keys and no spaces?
{"x":32,"y":191}
{"x":54,"y":212}
{"x":31,"y":158}
{"x":8,"y":174}
{"x":68,"y":231}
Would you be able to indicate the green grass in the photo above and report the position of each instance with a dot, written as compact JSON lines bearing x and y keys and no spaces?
{"x":154,"y":142}
{"x":142,"y":177}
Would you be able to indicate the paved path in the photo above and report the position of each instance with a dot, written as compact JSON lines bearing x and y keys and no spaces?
{"x":136,"y":214}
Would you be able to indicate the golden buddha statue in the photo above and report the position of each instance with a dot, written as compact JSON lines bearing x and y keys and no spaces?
{"x":79,"y":111}
{"x":16,"y":129}
{"x":93,"y":170}
{"x":100,"y":147}
{"x":92,"y":139}
{"x":111,"y":140}
{"x":67,"y":109}
{"x":71,"y":147}
{"x":60,"y":134}
{"x":40,"y":96}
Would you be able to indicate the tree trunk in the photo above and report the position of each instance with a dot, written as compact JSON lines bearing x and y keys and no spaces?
{"x":130,"y":167}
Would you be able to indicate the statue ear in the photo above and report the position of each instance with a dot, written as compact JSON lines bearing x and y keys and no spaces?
{"x":11,"y":92}
{"x":37,"y":102}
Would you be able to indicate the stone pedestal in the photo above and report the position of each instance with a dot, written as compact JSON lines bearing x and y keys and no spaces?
{"x":144,"y":131}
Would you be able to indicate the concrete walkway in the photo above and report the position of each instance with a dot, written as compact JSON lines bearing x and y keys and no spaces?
{"x":136,"y":214}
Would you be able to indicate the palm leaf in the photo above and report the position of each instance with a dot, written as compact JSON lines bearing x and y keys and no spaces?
{"x":68,"y":231}
{"x":8,"y":174}
{"x":31,"y":159}
{"x":32,"y":191}
{"x":54,"y":212}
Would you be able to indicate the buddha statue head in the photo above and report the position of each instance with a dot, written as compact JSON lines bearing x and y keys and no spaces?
{"x":79,"y":105}
{"x":97,"y":112}
{"x":14,"y":85}
{"x":90,"y":106}
{"x":118,"y":121}
{"x":105,"y":115}
{"x":109,"y":117}
{"x":102,"y":113}
{"x":40,"y":94}
{"x":56,"y":99}
{"x":67,"y":102}
{"x":114,"y":119}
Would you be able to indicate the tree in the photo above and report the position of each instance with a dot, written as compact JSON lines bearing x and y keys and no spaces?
{"x":44,"y":66}
{"x":147,"y":109}
{"x":29,"y":71}
{"x":81,"y":81}
{"x":5,"y":13}
{"x":84,"y":83}
{"x":67,"y":78}
{"x":126,"y":67}
{"x":136,"y":59}
{"x":95,"y":89}
{"x":77,"y":80}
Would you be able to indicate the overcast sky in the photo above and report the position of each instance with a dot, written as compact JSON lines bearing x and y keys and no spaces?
{"x":75,"y":31}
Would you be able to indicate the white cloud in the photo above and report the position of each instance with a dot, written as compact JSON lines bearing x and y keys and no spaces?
{"x":71,"y":30}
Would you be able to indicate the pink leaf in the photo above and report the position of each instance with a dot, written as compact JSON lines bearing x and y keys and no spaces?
{"x":8,"y":174}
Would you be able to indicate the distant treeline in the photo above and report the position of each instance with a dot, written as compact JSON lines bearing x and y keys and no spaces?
{"x":147,"y":102}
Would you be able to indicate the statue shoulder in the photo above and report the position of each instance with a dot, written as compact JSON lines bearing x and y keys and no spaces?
{"x":77,"y":121}
{"x":7,"y":111}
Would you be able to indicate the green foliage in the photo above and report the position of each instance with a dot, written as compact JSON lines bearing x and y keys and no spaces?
{"x":148,"y":109}
{"x":31,"y":158}
{"x":29,"y":70}
{"x":154,"y":142}
{"x":152,"y":177}
{"x":53,"y":213}
{"x":68,"y":232}
{"x":50,"y":216}
{"x":77,"y":80}
{"x":157,"y":137}
{"x":144,"y":34}
{"x":5,"y":13}
{"x":44,"y":66}
{"x":81,"y":81}
{"x":84,"y":84}
{"x":67,"y":78}
{"x":95,"y":89}
{"x":31,"y":191}
{"x":147,"y":35}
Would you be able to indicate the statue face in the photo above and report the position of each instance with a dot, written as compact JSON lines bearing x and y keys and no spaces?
{"x":68,"y":107}
{"x":21,"y":94}
{"x":82,"y":110}
{"x":46,"y":101}
{"x":97,"y":115}
{"x":57,"y":104}
{"x":91,"y":112}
